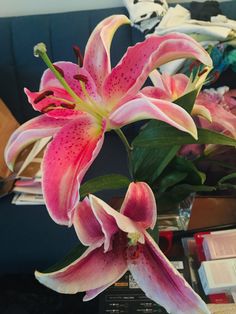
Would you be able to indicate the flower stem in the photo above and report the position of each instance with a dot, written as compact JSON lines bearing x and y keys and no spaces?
{"x":41,"y":51}
{"x":128,"y":148}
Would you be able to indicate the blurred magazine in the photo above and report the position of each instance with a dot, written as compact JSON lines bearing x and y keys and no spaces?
{"x":27,"y":186}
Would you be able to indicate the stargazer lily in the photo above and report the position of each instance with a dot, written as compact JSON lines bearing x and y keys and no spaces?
{"x":171,"y":87}
{"x":79,"y":104}
{"x":119,"y":241}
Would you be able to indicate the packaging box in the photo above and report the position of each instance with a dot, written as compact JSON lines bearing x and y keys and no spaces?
{"x":219,"y":245}
{"x":218,"y":276}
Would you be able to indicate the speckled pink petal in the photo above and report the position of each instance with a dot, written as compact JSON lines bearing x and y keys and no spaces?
{"x":155,"y":92}
{"x":175,"y":84}
{"x":156,"y":78}
{"x":70,"y":73}
{"x":222,"y":120}
{"x":86,"y":225}
{"x":97,"y":52}
{"x":46,"y":98}
{"x":150,"y":108}
{"x":29,"y":132}
{"x":111,"y":221}
{"x":140,"y":205}
{"x":91,"y":294}
{"x":65,"y":162}
{"x":161,"y":282}
{"x":64,"y":113}
{"x":93,"y":270}
{"x":131,"y":73}
{"x":167,"y":87}
{"x":230,"y":100}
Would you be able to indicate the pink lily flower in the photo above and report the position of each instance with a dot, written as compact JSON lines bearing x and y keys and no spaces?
{"x":221,"y":105}
{"x":81,"y":103}
{"x":118,"y":241}
{"x":171,"y":87}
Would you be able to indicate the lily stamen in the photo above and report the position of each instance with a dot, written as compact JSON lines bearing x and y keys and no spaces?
{"x":43,"y":95}
{"x":78,"y":55}
{"x":133,"y":238}
{"x":40,"y":50}
{"x":49,"y":108}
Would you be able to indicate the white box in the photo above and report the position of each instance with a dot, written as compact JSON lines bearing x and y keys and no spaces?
{"x":218,"y":276}
{"x":220,"y":245}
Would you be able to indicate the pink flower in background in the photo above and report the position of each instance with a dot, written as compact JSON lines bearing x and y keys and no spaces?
{"x":221,"y":105}
{"x":215,"y":109}
{"x":81,"y":103}
{"x":118,"y":241}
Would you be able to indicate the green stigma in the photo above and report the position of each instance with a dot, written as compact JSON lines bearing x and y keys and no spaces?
{"x":39,"y":49}
{"x":133,"y":238}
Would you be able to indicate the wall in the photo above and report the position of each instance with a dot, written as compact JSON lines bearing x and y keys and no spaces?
{"x":28,"y":7}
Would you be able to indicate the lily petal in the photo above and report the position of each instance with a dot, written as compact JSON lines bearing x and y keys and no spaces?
{"x":86,"y":225}
{"x":156,"y":79}
{"x":150,"y":108}
{"x":130,"y":74}
{"x":140,"y":205}
{"x":71,"y":73}
{"x":91,"y":294}
{"x":161,"y":282}
{"x":28,"y":133}
{"x":94,"y":269}
{"x":111,"y":221}
{"x":44,"y":99}
{"x":97,"y":51}
{"x":176,"y":84}
{"x":66,"y":161}
{"x":199,"y":110}
{"x":156,"y":92}
{"x":168,"y":87}
{"x":222,"y":120}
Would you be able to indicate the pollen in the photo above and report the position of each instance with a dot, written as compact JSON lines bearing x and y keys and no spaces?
{"x":133,"y":238}
{"x":81,"y":77}
{"x":43,"y":95}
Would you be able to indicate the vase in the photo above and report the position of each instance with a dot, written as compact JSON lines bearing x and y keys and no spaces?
{"x":185,"y":209}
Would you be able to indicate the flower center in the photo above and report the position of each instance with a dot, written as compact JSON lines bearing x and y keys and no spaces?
{"x":134,"y":238}
{"x":88,"y":105}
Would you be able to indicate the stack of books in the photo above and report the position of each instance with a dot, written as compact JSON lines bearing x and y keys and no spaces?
{"x":27,"y":187}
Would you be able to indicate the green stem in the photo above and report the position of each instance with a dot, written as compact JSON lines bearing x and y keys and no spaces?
{"x":40,"y":51}
{"x":128,"y":148}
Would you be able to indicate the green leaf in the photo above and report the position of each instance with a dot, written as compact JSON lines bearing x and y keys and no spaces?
{"x":194,"y":175}
{"x":181,"y":191}
{"x":187,"y":101}
{"x":167,"y":135}
{"x":171,"y":179}
{"x":228,"y":177}
{"x":73,"y":255}
{"x":148,"y":164}
{"x":226,"y":186}
{"x":106,"y":182}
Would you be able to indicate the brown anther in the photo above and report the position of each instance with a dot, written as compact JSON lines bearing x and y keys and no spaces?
{"x":203,"y":71}
{"x":81,"y":77}
{"x":68,"y":106}
{"x":48,"y":108}
{"x":43,"y":95}
{"x":78,"y":55}
{"x":59,"y":70}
